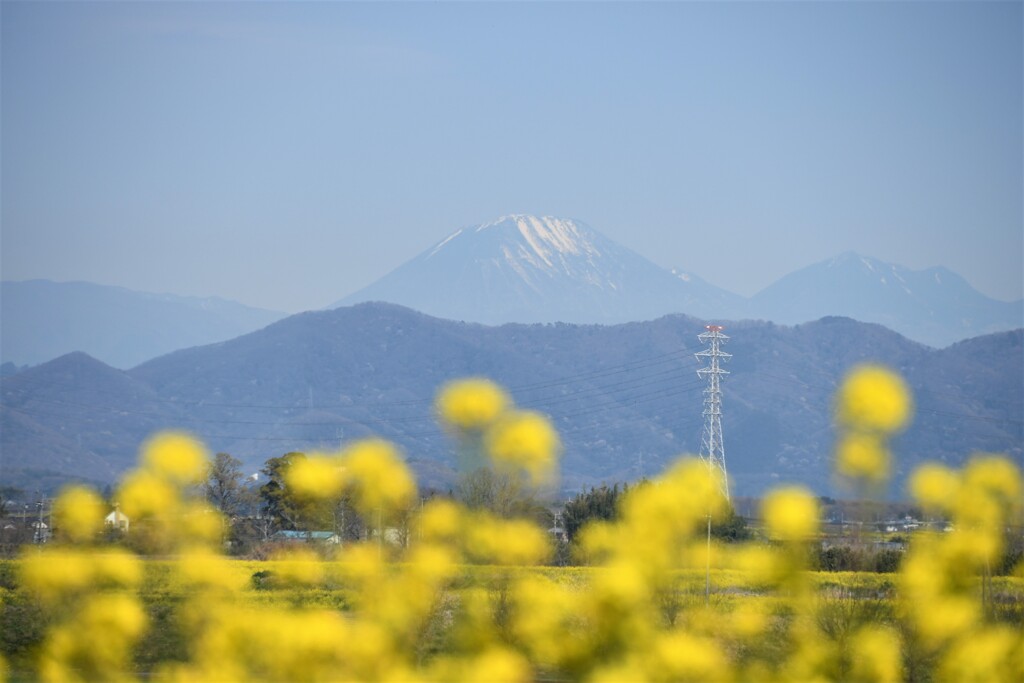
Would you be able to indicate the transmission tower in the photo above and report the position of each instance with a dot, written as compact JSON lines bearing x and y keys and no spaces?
{"x":712,"y":447}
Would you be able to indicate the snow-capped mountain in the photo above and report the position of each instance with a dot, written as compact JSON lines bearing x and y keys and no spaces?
{"x":523,"y":268}
{"x":935,"y":306}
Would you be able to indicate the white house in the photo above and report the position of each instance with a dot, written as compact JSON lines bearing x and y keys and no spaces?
{"x":117,"y":519}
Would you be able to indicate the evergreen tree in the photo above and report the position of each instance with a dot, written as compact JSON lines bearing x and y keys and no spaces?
{"x":596,"y":504}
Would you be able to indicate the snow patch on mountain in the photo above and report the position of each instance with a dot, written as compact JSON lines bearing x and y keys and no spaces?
{"x":445,"y":241}
{"x":525,"y":268}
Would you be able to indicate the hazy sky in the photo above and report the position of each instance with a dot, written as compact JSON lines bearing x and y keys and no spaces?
{"x":285,"y":155}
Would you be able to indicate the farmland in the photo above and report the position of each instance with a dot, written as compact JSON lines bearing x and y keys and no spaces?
{"x":468,"y":595}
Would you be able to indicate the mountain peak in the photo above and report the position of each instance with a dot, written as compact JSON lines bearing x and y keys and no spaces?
{"x":852,"y":258}
{"x":528,"y":268}
{"x":546,"y":236}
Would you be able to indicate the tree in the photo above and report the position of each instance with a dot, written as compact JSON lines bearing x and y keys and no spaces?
{"x":223,"y":486}
{"x":278,"y":503}
{"x":730,"y":528}
{"x":505,"y":494}
{"x":296,"y":513}
{"x":596,"y":504}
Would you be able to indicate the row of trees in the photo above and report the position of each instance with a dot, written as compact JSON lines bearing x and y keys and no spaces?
{"x":602,"y":503}
{"x":258,"y":511}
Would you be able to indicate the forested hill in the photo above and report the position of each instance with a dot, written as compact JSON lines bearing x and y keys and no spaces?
{"x":626,"y":398}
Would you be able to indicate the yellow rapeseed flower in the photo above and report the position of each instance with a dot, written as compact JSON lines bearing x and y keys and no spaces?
{"x":749,"y":619}
{"x":526,"y":441}
{"x":298,"y":567}
{"x":994,"y":476}
{"x":763,"y":565}
{"x":544,"y":619}
{"x":55,"y":574}
{"x":862,"y":456}
{"x":144,"y":493}
{"x":439,"y":520}
{"x":114,"y":568}
{"x":507,"y":542}
{"x":681,"y":656}
{"x":790,"y":514}
{"x":200,"y":523}
{"x":471,"y":404}
{"x":316,"y":477}
{"x":945,"y":618}
{"x":96,"y":644}
{"x":875,"y":399}
{"x":200,"y":567}
{"x":990,"y":655}
{"x":381,"y":479}
{"x":935,"y":486}
{"x":876,"y":655}
{"x":497,"y":665}
{"x":177,"y":457}
{"x":78,"y":513}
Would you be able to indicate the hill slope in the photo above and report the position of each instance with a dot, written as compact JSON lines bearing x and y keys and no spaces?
{"x":625,"y":398}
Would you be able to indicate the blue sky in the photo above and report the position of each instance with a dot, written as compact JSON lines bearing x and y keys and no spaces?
{"x":287,"y":154}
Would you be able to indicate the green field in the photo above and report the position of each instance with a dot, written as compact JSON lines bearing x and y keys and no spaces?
{"x":841,"y":603}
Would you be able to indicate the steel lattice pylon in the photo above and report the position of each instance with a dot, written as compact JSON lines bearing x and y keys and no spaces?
{"x":712,"y":447}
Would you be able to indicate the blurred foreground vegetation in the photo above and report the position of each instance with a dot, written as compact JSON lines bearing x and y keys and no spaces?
{"x":464,"y":595}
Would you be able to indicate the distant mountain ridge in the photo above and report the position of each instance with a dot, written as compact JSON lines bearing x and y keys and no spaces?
{"x":41,"y":320}
{"x":519,"y":268}
{"x":625,"y":398}
{"x":934,"y":305}
{"x":523,"y":268}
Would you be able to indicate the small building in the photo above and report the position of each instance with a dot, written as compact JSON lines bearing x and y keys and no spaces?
{"x":327,"y":537}
{"x":117,"y":520}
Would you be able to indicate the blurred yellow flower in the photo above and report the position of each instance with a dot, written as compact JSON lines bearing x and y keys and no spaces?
{"x":96,"y":643}
{"x":471,"y":404}
{"x":55,"y":574}
{"x":316,"y":477}
{"x":993,"y":654}
{"x":946,"y":617}
{"x":176,"y":457}
{"x":994,"y":476}
{"x":201,"y":523}
{"x":749,"y":619}
{"x":143,"y":493}
{"x":790,"y":514}
{"x":935,"y":486}
{"x":200,"y":567}
{"x":681,"y":656}
{"x":514,"y":542}
{"x":638,"y":614}
{"x":876,"y":655}
{"x":498,"y":665}
{"x":439,"y":520}
{"x":114,"y":568}
{"x":875,"y":399}
{"x":526,"y":441}
{"x":380,"y":477}
{"x":298,"y":567}
{"x":78,"y":513}
{"x":620,"y":588}
{"x":862,"y":456}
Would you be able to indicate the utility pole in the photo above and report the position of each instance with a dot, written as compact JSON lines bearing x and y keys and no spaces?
{"x":712,"y":448}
